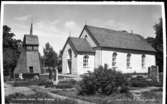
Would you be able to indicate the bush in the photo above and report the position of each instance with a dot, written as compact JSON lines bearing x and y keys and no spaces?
{"x":104,"y":81}
{"x":142,"y":82}
{"x":46,"y":83}
{"x":66,"y":84}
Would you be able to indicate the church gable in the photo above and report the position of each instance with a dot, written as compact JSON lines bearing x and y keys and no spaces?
{"x":85,"y":35}
{"x":79,"y":46}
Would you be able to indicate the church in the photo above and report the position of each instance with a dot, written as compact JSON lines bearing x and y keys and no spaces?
{"x":97,"y":46}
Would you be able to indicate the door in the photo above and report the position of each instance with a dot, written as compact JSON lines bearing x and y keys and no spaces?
{"x":31,"y":69}
{"x":69,"y":65}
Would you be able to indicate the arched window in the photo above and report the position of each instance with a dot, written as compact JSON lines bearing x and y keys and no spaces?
{"x":114,"y":55}
{"x":143,"y":61}
{"x":128,"y":60}
{"x":85,"y":61}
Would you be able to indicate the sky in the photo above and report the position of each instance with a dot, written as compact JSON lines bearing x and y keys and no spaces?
{"x":55,"y":23}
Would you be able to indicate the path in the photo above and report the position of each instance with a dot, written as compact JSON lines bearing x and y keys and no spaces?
{"x":40,"y":89}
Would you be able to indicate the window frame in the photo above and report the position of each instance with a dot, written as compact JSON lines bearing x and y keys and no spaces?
{"x":128,"y":61}
{"x":114,"y":57}
{"x":143,"y":61}
{"x":85,"y":61}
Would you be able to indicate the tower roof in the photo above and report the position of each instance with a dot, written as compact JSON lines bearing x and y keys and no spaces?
{"x":30,"y":40}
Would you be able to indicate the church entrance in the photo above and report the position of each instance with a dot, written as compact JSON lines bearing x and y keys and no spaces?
{"x":69,"y":66}
{"x":69,"y":60}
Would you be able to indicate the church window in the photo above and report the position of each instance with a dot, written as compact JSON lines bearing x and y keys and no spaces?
{"x":128,"y":60}
{"x":85,"y":61}
{"x":143,"y":61}
{"x":114,"y":55}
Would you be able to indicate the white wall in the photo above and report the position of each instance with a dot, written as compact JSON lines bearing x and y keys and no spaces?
{"x":65,"y":56}
{"x":98,"y":58}
{"x":89,"y":39}
{"x":135,"y":61}
{"x":81,"y":69}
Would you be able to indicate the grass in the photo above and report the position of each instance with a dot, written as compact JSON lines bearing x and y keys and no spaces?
{"x":26,"y":82}
{"x":36,"y":95}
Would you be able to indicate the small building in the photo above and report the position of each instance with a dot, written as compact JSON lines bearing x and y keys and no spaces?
{"x":96,"y":46}
{"x":29,"y":60}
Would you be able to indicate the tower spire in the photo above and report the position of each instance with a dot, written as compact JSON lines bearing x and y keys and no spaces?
{"x":31,"y":29}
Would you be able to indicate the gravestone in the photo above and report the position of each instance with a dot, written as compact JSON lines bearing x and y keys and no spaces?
{"x":53,"y":75}
{"x":153,"y":73}
{"x":55,"y":78}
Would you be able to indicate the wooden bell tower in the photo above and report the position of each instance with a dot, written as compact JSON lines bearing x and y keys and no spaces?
{"x":29,"y":61}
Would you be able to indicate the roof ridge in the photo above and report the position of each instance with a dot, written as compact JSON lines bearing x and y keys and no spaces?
{"x":100,"y":27}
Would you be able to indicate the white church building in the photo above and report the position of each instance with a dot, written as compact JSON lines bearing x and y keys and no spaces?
{"x":96,"y":46}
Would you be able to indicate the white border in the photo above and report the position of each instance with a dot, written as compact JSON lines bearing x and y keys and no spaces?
{"x":85,"y":3}
{"x":164,"y":53}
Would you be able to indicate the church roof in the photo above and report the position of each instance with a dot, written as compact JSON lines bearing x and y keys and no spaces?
{"x":118,"y":39}
{"x":30,"y":40}
{"x":80,"y":45}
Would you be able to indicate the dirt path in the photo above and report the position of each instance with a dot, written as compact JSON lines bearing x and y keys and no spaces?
{"x":40,"y":89}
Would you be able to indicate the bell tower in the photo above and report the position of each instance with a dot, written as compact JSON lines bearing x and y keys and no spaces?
{"x":29,"y":61}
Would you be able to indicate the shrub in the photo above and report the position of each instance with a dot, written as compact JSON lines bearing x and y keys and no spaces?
{"x":46,"y":83}
{"x":142,"y":82}
{"x":104,"y":81}
{"x":66,"y":84}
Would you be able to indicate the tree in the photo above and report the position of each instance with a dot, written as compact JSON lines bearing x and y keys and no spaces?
{"x":50,"y":56}
{"x":11,"y":50}
{"x":50,"y":59}
{"x":157,"y":43}
{"x":59,"y":64}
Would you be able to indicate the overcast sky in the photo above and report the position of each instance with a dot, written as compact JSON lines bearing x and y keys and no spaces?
{"x":54,"y":23}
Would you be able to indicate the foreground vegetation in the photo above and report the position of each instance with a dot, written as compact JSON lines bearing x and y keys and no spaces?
{"x":103,"y":86}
